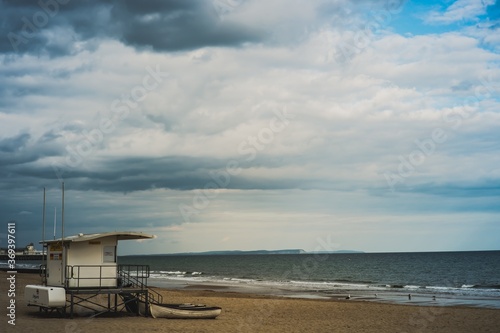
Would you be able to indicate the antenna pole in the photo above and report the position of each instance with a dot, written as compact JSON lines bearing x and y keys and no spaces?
{"x":44,"y":252}
{"x":63,"y":253}
{"x":43,"y":220}
{"x":55,"y":220}
{"x":62,"y":215}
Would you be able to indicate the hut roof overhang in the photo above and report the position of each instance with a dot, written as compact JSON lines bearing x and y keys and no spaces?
{"x":120,"y":235}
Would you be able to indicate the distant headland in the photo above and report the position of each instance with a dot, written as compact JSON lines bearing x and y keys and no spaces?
{"x":254,"y":252}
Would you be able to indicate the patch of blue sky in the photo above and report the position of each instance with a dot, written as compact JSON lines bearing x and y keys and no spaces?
{"x":412,"y":19}
{"x":493,"y":11}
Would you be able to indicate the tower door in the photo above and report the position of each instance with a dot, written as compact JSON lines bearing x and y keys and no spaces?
{"x":55,"y":268}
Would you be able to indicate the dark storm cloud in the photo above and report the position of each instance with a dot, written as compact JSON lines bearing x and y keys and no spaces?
{"x":27,"y":161}
{"x":20,"y":150}
{"x":177,"y":25}
{"x":34,"y":27}
{"x":137,"y":174}
{"x":12,"y":144}
{"x":27,"y":165}
{"x":16,"y":151}
{"x":54,"y":27}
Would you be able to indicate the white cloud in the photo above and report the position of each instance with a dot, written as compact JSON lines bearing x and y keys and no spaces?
{"x":460,"y":10}
{"x":351,"y":123}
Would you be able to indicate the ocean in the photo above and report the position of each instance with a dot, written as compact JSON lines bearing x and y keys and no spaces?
{"x":440,"y":278}
{"x":437,"y":278}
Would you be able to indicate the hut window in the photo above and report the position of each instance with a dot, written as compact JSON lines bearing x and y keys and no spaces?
{"x":109,"y":254}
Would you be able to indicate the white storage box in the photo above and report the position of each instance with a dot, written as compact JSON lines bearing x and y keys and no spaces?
{"x":50,"y":297}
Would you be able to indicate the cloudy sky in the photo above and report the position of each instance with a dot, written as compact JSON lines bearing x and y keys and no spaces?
{"x":248,"y":124}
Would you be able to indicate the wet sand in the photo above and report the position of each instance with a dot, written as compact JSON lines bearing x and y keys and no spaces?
{"x":254,"y":313}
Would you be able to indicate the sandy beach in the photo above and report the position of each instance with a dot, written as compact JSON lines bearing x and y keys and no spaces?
{"x":254,"y":313}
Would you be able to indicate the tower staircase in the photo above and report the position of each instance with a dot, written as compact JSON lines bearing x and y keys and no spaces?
{"x":135,"y":277}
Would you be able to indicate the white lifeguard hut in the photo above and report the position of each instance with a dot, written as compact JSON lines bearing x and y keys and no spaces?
{"x":83,"y":267}
{"x":86,"y":260}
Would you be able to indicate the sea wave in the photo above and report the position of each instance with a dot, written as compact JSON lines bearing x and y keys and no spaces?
{"x":329,"y":286}
{"x":493,"y":286}
{"x":178,"y":274}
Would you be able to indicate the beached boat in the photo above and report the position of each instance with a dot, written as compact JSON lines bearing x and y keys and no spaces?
{"x":184,"y":311}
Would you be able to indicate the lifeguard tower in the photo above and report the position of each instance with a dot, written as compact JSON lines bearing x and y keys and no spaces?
{"x":84,"y":266}
{"x":84,"y":269}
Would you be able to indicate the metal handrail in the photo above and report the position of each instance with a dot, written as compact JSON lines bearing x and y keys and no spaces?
{"x":153,"y":296}
{"x":70,"y":274}
{"x":133,"y":275}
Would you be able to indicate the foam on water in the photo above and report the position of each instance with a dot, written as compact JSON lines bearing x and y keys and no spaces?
{"x":444,"y":275}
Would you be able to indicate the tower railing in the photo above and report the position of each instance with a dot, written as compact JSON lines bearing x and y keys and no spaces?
{"x":136,"y":276}
{"x":91,"y":277}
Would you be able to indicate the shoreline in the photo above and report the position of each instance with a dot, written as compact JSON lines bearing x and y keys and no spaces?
{"x":401,"y":297}
{"x":247,"y":312}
